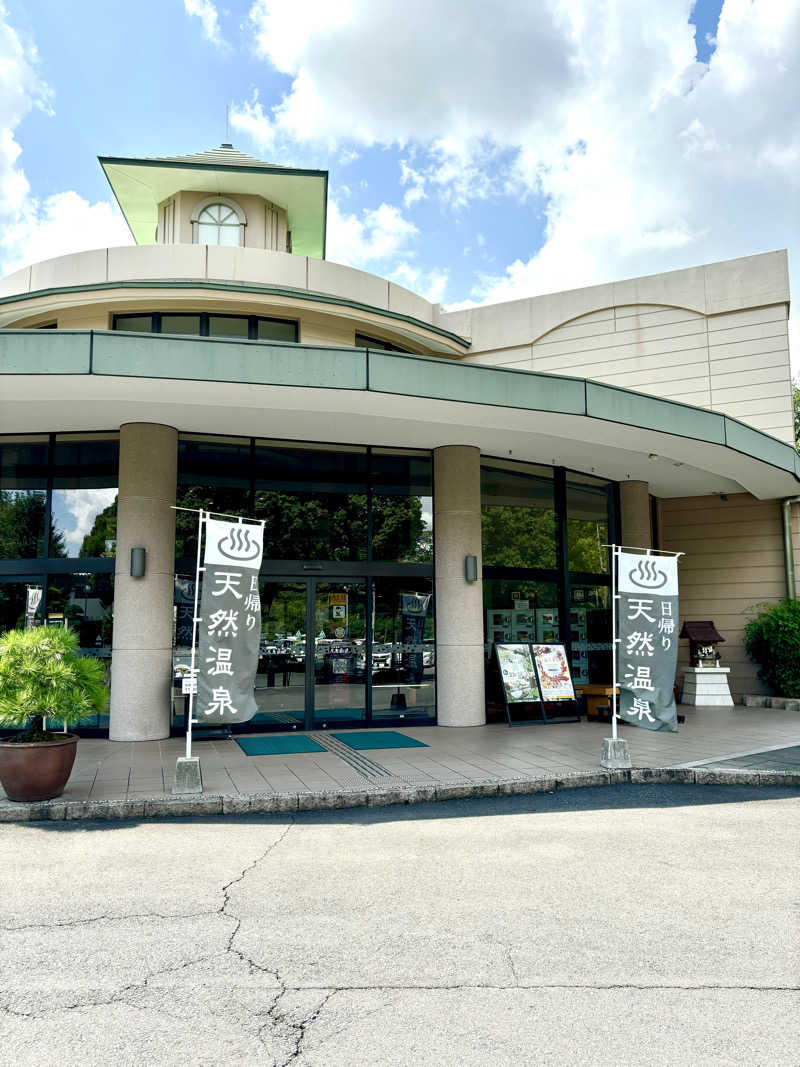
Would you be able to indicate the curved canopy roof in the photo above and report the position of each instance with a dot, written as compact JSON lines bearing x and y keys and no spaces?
{"x":84,"y":380}
{"x":140,"y":185}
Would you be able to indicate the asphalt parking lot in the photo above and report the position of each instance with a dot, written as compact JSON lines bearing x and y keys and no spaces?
{"x":598,"y":926}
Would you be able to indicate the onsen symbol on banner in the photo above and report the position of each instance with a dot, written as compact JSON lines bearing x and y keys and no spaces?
{"x":238,"y":544}
{"x":647,"y":575}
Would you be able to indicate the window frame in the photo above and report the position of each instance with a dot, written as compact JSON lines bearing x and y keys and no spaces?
{"x":205,"y":317}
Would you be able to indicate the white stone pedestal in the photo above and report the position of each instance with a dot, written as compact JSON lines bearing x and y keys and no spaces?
{"x":706,"y":687}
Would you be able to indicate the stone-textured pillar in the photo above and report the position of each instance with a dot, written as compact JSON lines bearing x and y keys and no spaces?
{"x":459,"y":604}
{"x":634,"y":499}
{"x":141,"y":661}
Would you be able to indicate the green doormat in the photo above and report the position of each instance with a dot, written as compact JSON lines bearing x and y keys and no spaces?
{"x":282,"y":745}
{"x":361,"y":739}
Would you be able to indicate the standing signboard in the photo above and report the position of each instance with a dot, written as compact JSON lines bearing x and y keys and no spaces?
{"x":647,"y":644}
{"x":535,"y":674}
{"x":518,"y":674}
{"x":230,"y":622}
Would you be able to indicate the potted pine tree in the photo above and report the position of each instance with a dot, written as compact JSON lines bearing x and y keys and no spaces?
{"x":43,"y":676}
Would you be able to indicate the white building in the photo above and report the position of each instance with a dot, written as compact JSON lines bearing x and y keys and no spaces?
{"x":223,"y":362}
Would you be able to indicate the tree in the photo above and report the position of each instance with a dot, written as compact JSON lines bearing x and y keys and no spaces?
{"x":518,"y":537}
{"x":104,"y":529}
{"x":22,"y":525}
{"x":796,"y":407}
{"x":42,"y":674}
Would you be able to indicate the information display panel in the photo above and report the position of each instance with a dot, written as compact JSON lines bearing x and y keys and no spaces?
{"x":552,"y":668}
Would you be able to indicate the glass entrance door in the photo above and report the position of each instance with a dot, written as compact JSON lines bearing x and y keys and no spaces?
{"x":340,"y":637}
{"x":311,"y":668}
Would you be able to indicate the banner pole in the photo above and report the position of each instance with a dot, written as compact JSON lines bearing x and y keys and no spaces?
{"x":195,"y":620}
{"x":614,"y":561}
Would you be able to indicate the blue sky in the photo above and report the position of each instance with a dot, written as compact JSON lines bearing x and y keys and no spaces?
{"x":548,"y":147}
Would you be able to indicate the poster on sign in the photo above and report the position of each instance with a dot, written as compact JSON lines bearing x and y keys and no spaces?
{"x":230,"y":622}
{"x":647,"y":645}
{"x":518,"y":673}
{"x":553,"y":668}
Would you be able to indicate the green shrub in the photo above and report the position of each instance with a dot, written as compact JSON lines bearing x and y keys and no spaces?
{"x":772,"y":639}
{"x":43,"y":674}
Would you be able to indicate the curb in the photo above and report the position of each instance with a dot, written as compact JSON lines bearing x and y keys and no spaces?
{"x":283,"y":803}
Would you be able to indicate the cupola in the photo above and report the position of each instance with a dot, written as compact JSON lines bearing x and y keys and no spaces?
{"x":221,"y":197}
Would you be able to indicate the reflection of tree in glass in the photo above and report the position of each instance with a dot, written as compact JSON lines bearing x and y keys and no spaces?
{"x":22,"y":517}
{"x":22,"y":524}
{"x":518,"y":537}
{"x":586,"y":538}
{"x":316,"y":526}
{"x":104,"y":528}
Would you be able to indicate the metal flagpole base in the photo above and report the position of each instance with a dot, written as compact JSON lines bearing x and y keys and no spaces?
{"x":616,"y":754}
{"x":187,"y":775}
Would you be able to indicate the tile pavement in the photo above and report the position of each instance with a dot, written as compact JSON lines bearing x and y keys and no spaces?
{"x":118,"y":778}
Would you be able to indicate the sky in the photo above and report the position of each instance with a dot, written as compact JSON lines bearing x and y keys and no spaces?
{"x":477,"y":152}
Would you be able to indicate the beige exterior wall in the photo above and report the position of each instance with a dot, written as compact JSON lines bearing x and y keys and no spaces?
{"x":734,"y":560}
{"x":364,"y":298}
{"x":713,"y":336}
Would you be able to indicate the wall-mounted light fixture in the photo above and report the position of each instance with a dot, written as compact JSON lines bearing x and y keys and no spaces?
{"x":471,"y":568}
{"x":138,"y":562}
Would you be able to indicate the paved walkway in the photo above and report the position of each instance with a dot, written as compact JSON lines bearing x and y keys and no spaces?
{"x":132,"y":777}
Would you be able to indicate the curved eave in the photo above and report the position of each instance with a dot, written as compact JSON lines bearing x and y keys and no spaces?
{"x":36,"y":301}
{"x":97,"y":380}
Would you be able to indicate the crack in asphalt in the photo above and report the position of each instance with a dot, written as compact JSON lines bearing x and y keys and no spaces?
{"x":105,"y":917}
{"x":124,"y":994}
{"x":237,"y":919}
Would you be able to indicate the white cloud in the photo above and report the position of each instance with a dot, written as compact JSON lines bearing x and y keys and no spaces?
{"x":209,"y":18}
{"x":428,"y":283}
{"x":405,"y":70}
{"x":646,"y":159}
{"x":61,"y":224}
{"x":377,"y":234}
{"x":75,"y":510}
{"x":34,"y":230}
{"x":681,"y":166}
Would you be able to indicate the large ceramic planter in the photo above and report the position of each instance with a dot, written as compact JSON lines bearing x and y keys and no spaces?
{"x":36,"y":770}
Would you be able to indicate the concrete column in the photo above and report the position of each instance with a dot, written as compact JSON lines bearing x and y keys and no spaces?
{"x":634,"y":499}
{"x":141,"y":660}
{"x":459,"y":604}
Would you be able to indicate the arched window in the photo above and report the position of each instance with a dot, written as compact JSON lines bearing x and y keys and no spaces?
{"x":219,"y":223}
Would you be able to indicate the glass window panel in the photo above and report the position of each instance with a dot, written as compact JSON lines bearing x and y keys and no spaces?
{"x":273,"y":330}
{"x":362,"y":341}
{"x":214,"y":475}
{"x":314,"y":502}
{"x":20,"y":603}
{"x":340,"y":625}
{"x":139,"y":323}
{"x":403,"y":651}
{"x":518,"y":518}
{"x":227,"y":326}
{"x":402,"y":507}
{"x":85,"y":603}
{"x":280,"y":683}
{"x":230,"y":236}
{"x":587,"y":525}
{"x":515,"y":612}
{"x":23,"y":499}
{"x":85,"y":475}
{"x":590,"y":624}
{"x":207,"y":233}
{"x":180,"y":324}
